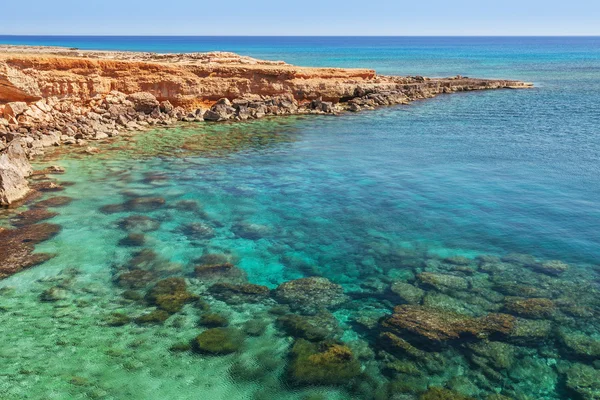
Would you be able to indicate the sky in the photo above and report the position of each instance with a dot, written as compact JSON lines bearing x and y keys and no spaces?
{"x":304,"y":17}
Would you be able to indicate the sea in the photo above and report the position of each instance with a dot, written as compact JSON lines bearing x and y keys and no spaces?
{"x":440,"y":213}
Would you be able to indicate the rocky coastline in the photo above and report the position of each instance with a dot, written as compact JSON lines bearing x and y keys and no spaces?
{"x":57,"y":96}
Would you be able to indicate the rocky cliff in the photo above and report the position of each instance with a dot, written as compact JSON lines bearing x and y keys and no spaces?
{"x":53,"y":96}
{"x":29,"y":74}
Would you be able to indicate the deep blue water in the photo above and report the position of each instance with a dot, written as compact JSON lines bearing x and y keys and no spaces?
{"x":465,"y":174}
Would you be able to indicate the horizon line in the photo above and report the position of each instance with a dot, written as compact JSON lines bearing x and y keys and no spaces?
{"x":296,"y":36}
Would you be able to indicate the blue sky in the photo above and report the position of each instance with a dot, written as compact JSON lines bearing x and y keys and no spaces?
{"x":304,"y":17}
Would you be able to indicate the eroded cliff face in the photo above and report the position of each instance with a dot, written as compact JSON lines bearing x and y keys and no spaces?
{"x":55,"y":96}
{"x":191,"y":79}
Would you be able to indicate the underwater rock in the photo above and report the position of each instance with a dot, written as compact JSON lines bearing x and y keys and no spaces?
{"x":215,"y":259}
{"x":144,"y":204}
{"x":438,"y":326}
{"x":310,"y":294}
{"x":250,"y":231}
{"x":218,"y":341}
{"x":530,"y":332}
{"x":32,"y":216}
{"x":170,"y":295}
{"x":457,"y":260}
{"x":499,"y":355}
{"x":219,"y":272}
{"x":156,"y":317}
{"x":255,"y":327}
{"x":443,"y":282}
{"x":399,"y":347}
{"x":324,"y":363}
{"x":47,"y":186}
{"x":180,"y":347}
{"x":580,"y":345}
{"x":584,"y":380}
{"x":212,"y":320}
{"x":444,"y":302}
{"x":16,"y":252}
{"x":519,"y":259}
{"x":537,"y":308}
{"x":57,"y":201}
{"x":117,"y":319}
{"x":314,"y":328}
{"x":136,"y":279}
{"x":553,"y":267}
{"x":53,"y":294}
{"x":133,"y":240}
{"x":408,"y":293}
{"x":132,"y":295}
{"x":197,"y":231}
{"x":187,"y":205}
{"x":139,"y":223}
{"x":239,"y":294}
{"x":437,"y":393}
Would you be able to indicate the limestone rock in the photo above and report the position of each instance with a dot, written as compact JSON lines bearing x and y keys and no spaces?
{"x":310,"y":294}
{"x":14,"y":170}
{"x":14,"y":109}
{"x":143,"y":102}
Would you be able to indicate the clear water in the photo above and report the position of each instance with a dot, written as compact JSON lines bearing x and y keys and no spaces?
{"x":340,"y":197}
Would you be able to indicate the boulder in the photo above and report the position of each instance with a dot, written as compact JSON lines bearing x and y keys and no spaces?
{"x":143,"y":102}
{"x":310,"y":294}
{"x":14,"y":109}
{"x":219,"y":112}
{"x":435,"y":325}
{"x":14,"y":170}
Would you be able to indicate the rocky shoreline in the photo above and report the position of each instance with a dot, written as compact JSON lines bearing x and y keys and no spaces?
{"x":58,"y":96}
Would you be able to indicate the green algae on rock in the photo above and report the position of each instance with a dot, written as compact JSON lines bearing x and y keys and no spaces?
{"x":323,"y":363}
{"x":218,"y":341}
{"x":170,"y":295}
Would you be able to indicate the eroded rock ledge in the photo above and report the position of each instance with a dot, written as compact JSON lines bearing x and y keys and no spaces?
{"x":53,"y":96}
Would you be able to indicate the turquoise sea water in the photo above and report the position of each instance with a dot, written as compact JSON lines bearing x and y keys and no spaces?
{"x":364,"y":200}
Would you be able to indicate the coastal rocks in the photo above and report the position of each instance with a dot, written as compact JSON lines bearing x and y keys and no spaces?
{"x":139,"y":223}
{"x":584,"y":381}
{"x":407,"y":293}
{"x":250,"y":231}
{"x":219,"y":272}
{"x":143,"y":102}
{"x":170,"y":295}
{"x":14,"y":109}
{"x":553,"y":267}
{"x":530,"y":308}
{"x":240,"y":293}
{"x":14,"y":170}
{"x":324,"y":363}
{"x":434,"y":325}
{"x":310,"y":294}
{"x":443,"y":282}
{"x":218,"y":341}
{"x":16,"y":252}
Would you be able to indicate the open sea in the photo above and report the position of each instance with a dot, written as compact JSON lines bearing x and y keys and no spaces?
{"x":451,"y":208}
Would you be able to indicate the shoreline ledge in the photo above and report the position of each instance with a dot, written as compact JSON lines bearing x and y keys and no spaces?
{"x":52,"y":96}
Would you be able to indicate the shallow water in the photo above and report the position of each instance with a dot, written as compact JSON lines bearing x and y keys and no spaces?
{"x":364,"y":200}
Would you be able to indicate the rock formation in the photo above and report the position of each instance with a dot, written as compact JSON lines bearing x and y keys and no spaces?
{"x":51,"y":96}
{"x":14,"y":170}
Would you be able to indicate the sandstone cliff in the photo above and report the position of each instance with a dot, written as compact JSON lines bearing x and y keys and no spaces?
{"x":188,"y":80}
{"x":57,"y":96}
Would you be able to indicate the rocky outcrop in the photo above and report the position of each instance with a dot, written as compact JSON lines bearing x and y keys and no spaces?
{"x":56,"y":96}
{"x":14,"y":170}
